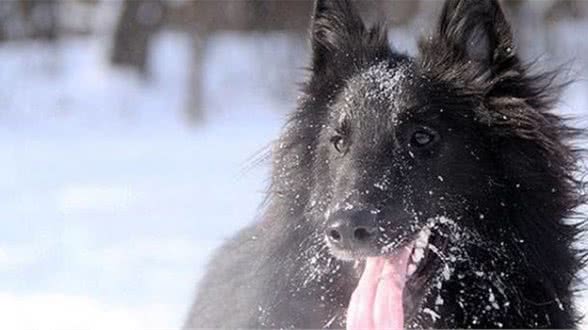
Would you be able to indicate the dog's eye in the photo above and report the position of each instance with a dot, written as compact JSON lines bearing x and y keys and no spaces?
{"x":422,"y":138}
{"x":339,"y":143}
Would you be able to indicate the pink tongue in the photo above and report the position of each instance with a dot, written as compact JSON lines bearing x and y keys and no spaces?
{"x":376,"y":303}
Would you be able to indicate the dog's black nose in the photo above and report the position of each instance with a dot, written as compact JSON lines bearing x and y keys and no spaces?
{"x":352,"y":230}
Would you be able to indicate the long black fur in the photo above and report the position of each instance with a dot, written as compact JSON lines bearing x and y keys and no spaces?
{"x":506,"y":173}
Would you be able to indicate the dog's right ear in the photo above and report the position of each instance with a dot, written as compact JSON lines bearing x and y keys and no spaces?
{"x":339,"y":37}
{"x":335,"y":24}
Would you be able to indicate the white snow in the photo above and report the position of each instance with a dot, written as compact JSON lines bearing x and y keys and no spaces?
{"x":110,"y":204}
{"x":74,"y":312}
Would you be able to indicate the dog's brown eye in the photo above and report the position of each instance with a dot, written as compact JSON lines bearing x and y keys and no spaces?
{"x":422,"y":138}
{"x":338,"y":143}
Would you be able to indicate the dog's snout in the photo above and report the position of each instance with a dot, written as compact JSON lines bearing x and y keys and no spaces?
{"x":351,"y":230}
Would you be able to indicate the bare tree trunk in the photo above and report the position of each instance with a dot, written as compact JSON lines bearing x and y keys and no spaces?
{"x":139,"y":20}
{"x":195,"y":105}
{"x":41,"y":17}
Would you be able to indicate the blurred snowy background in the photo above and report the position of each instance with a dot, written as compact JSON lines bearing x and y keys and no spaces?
{"x":129,"y":132}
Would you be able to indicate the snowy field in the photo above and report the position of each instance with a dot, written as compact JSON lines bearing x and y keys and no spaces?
{"x":110,"y":203}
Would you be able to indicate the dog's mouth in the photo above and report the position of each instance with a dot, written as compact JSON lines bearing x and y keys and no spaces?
{"x":392,"y":286}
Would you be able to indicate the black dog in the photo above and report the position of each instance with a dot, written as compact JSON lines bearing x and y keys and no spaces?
{"x":410,"y":192}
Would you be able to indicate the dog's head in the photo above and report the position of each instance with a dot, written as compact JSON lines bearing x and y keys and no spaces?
{"x":403,"y":140}
{"x":392,"y":153}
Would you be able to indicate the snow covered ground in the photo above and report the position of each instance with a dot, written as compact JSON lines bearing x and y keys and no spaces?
{"x":109,"y":202}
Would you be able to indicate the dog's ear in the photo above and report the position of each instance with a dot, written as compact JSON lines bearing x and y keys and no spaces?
{"x":335,"y":25}
{"x":476,"y":30}
{"x":340,"y":39}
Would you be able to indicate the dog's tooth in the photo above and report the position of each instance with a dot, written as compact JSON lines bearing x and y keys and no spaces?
{"x":426,"y":232}
{"x":423,"y":238}
{"x":444,"y":220}
{"x":439,"y":300}
{"x":446,"y":273}
{"x":418,"y":254}
{"x":411,"y":269}
{"x":433,"y":248}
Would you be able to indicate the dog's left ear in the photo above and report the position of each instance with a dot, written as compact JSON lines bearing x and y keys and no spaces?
{"x":476,"y":30}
